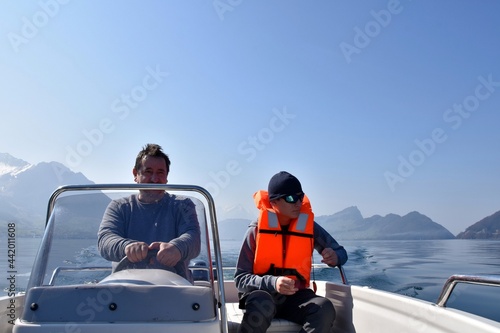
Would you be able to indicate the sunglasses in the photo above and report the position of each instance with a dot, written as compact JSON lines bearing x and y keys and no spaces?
{"x":293,"y":198}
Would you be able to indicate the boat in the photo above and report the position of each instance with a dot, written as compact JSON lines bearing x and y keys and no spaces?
{"x":85,"y":295}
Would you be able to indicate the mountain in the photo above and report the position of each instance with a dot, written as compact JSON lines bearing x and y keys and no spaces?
{"x":235,"y":212}
{"x":73,"y":217}
{"x":487,"y":228}
{"x":11,"y":165}
{"x":349,"y":224}
{"x":26,"y":188}
{"x":233,"y":229}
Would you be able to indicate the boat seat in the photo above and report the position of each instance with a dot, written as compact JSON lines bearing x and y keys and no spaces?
{"x":235,"y":314}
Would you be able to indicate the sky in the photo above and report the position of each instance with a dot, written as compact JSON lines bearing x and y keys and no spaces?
{"x":390,"y":106}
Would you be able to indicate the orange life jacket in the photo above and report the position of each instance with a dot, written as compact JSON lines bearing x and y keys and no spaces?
{"x":284,"y":252}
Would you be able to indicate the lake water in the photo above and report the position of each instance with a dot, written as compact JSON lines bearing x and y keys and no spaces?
{"x":413,"y":268}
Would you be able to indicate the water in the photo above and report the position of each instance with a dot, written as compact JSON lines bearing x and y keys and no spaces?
{"x":413,"y":268}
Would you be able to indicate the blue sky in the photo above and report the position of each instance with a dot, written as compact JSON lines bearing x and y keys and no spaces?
{"x":391,"y":106}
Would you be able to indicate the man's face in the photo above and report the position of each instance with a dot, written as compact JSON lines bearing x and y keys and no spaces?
{"x":153,"y":170}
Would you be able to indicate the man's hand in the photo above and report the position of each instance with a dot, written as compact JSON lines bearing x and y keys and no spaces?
{"x":168,"y":254}
{"x":329,"y":257}
{"x":286,"y":285}
{"x":137,"y":251}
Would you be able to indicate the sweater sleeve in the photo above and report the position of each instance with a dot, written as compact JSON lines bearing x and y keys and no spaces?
{"x":322,"y":240}
{"x":111,"y":240}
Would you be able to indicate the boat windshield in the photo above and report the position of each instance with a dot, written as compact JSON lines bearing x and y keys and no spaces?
{"x":68,"y":253}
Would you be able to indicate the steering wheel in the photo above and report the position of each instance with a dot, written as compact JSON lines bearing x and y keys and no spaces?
{"x":148,"y":262}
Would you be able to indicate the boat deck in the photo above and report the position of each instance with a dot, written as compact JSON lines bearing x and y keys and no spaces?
{"x":362,"y":310}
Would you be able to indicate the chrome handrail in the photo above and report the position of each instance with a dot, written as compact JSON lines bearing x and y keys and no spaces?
{"x":485,"y":280}
{"x":342,"y":275}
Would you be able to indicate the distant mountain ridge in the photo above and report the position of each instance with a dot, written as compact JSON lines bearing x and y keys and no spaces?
{"x":487,"y":228}
{"x":349,"y":224}
{"x":25,"y":190}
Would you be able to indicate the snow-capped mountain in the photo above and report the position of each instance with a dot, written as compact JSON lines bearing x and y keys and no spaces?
{"x":9,"y":165}
{"x":236,"y":212}
{"x":26,"y":188}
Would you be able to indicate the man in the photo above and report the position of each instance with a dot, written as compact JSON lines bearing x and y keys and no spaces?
{"x":274,"y":265}
{"x":153,"y":219}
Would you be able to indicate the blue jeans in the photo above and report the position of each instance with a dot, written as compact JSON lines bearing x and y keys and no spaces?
{"x":315,"y":313}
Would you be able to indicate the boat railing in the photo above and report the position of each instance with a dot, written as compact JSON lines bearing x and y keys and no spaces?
{"x":450,"y":284}
{"x":343,"y":276}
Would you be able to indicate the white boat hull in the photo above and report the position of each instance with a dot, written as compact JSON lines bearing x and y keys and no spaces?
{"x":359,"y":309}
{"x":362,"y":310}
